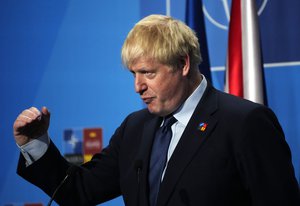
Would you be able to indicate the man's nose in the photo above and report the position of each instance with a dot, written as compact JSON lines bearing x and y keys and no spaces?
{"x":139,"y":84}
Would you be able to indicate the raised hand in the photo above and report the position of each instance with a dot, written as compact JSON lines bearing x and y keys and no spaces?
{"x":30,"y":124}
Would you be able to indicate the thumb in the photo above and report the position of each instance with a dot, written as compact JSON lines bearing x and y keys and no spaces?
{"x":45,"y":111}
{"x":45,"y":115}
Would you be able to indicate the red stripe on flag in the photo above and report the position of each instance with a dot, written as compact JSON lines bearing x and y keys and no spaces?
{"x":235,"y":62}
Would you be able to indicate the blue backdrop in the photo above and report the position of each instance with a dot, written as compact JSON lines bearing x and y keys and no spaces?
{"x":66,"y":55}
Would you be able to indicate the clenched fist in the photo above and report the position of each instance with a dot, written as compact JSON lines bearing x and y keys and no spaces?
{"x":31,"y":124}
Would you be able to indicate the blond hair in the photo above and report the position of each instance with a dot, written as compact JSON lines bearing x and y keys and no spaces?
{"x":162,"y":39}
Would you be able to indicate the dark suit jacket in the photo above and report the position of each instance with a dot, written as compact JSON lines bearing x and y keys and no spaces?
{"x":240,"y":159}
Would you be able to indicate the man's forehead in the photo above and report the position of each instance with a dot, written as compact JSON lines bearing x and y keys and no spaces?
{"x":143,"y":64}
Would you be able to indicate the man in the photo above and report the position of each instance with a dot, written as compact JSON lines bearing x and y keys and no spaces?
{"x":223,"y":150}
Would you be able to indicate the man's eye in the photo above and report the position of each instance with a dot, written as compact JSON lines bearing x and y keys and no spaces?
{"x":133,"y":73}
{"x":149,"y":74}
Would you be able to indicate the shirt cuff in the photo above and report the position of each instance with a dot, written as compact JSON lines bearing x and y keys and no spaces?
{"x":35,"y":149}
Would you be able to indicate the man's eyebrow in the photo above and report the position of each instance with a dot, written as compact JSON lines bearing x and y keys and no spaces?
{"x":142,"y":69}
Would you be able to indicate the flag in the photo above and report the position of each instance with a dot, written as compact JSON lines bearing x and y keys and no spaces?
{"x":244,"y":71}
{"x":195,"y":20}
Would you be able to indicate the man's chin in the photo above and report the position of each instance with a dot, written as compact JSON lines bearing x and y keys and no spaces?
{"x":153,"y":110}
{"x":157,"y":112}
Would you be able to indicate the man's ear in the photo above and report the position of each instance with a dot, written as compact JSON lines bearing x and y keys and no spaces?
{"x":186,"y":66}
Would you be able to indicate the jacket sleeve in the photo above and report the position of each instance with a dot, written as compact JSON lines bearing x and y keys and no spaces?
{"x":265,"y":161}
{"x":93,"y":183}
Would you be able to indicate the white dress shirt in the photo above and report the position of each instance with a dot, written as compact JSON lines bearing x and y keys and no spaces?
{"x":183,"y":116}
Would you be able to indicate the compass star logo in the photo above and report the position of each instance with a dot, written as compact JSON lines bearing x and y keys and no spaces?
{"x":215,"y":12}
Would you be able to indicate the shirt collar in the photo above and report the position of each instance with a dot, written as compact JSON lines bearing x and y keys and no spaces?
{"x":184,"y":113}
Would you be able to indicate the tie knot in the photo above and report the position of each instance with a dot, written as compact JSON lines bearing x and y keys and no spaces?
{"x":169,"y":121}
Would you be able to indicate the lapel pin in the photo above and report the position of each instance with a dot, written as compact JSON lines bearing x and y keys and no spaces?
{"x":202,"y":126}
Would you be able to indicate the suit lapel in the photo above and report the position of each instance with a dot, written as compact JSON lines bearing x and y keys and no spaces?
{"x":144,"y":155}
{"x":191,"y":141}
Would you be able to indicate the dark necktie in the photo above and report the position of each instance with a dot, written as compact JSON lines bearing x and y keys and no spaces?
{"x":159,"y":157}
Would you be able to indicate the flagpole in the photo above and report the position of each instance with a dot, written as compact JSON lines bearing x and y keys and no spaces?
{"x":168,"y":7}
{"x":252,"y":54}
{"x":244,"y":68}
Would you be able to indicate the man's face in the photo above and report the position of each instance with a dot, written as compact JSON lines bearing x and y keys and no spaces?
{"x":161,"y":87}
